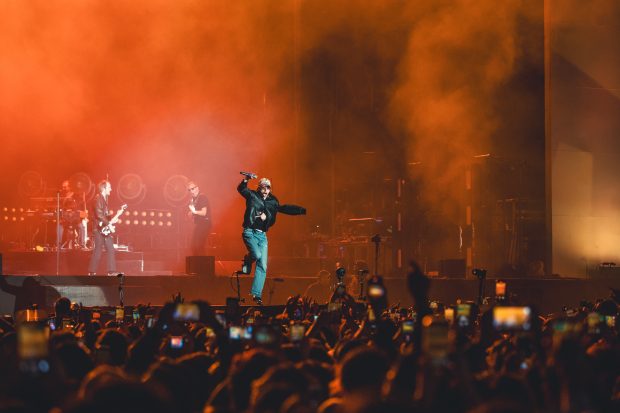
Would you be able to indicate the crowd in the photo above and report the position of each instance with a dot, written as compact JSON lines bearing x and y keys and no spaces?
{"x":346,"y":356}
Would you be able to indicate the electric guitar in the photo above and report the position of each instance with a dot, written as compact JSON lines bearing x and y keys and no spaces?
{"x":110,"y":228}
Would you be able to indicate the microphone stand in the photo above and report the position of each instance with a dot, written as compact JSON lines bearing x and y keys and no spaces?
{"x":121,"y":289}
{"x":377,"y":240}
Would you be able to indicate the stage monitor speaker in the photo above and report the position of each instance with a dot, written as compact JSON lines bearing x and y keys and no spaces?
{"x":200,"y":265}
{"x":452,"y":268}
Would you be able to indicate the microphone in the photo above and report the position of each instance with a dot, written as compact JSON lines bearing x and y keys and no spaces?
{"x":248,"y":175}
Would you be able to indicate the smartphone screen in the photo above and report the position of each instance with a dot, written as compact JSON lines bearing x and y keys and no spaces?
{"x":297,"y":332}
{"x":135,"y":314}
{"x":186,"y":312}
{"x":119,"y":314}
{"x":176,"y":342}
{"x":236,"y":333}
{"x":265,"y":335}
{"x":376,"y":291}
{"x":435,"y":338}
{"x":512,"y":318}
{"x":32,"y":340}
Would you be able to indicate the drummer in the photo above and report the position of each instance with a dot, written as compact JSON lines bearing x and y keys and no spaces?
{"x":71,"y":217}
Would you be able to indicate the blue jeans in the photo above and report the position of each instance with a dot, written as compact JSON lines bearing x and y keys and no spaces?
{"x":256,"y":243}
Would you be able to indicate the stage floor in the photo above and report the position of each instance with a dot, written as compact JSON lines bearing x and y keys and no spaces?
{"x":17,"y":291}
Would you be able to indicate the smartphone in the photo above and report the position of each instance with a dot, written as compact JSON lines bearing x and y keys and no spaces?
{"x":376,"y":291}
{"x":448,"y":314}
{"x":463,"y":315}
{"x":594,"y":321}
{"x":435,"y":338}
{"x":176,"y":342}
{"x":186,"y":312}
{"x":265,"y":335}
{"x":331,"y":307}
{"x":297,"y":332}
{"x":610,"y":320}
{"x":96,"y":315}
{"x":67,"y":324}
{"x":32,"y":340}
{"x":236,"y":333}
{"x":407,"y":329}
{"x":249,"y":321}
{"x":135,"y":314}
{"x":150,"y":321}
{"x":52,"y":323}
{"x":119,"y":314}
{"x":512,"y":318}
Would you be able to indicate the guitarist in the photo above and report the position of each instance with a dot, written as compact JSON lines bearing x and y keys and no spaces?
{"x":102,"y":220}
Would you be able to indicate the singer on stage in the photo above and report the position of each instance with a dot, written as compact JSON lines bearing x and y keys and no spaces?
{"x":261,"y":207}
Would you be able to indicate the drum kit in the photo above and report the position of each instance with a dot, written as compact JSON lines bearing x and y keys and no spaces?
{"x":69,"y":221}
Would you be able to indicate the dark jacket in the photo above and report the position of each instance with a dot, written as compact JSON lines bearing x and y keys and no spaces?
{"x":100,"y":212}
{"x":255,"y":205}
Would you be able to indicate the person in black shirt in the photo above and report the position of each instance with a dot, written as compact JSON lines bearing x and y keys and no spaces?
{"x":261,"y":207}
{"x":102,"y":219}
{"x":199,"y":210}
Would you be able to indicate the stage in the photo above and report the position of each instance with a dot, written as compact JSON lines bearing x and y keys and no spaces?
{"x":18,"y":291}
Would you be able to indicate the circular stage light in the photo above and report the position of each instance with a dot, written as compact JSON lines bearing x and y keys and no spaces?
{"x":31,"y":184}
{"x":175,"y":190}
{"x":131,"y":189}
{"x":82,"y":184}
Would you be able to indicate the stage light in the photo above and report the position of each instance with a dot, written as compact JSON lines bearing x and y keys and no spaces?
{"x":21,"y":210}
{"x":135,"y":213}
{"x":127,"y":213}
{"x":5,"y":209}
{"x":152,"y":213}
{"x":143,"y":222}
{"x":161,"y":214}
{"x":169,"y":224}
{"x":6,"y":218}
{"x":128,"y":221}
{"x":152,"y":223}
{"x":136,"y":222}
{"x":21,"y":218}
{"x":13,"y":210}
{"x":160,"y":223}
{"x":168,"y":214}
{"x":143,"y":213}
{"x":14,"y":218}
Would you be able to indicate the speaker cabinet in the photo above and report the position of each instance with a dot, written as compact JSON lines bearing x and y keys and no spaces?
{"x":202,"y":265}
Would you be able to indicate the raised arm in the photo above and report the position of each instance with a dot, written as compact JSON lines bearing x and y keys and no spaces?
{"x":243,"y":189}
{"x":292,"y":209}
